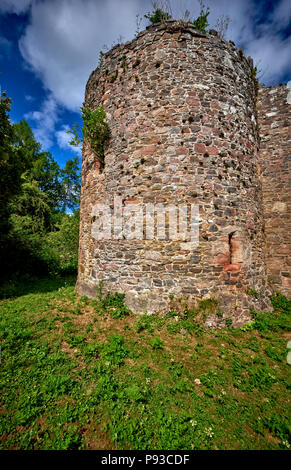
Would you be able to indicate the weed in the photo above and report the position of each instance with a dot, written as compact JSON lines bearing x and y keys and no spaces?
{"x":112,"y":78}
{"x":248,"y":327}
{"x":115,"y":350}
{"x":228,"y":322}
{"x":208,"y":304}
{"x":253,"y":292}
{"x":156,"y":343}
{"x":114,"y":304}
{"x":281,"y":303}
{"x":201,"y":22}
{"x":158,"y":16}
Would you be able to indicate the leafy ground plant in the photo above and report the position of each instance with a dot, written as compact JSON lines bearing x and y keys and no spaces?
{"x":78,"y":373}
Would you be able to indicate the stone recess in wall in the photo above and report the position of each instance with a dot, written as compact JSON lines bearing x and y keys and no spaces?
{"x":181,"y":106}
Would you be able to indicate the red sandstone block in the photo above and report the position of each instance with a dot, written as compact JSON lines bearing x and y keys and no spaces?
{"x":232,"y":268}
{"x":137,"y":154}
{"x":132,"y":201}
{"x":148,"y":150}
{"x":182,"y":151}
{"x":215,"y":105}
{"x":286,"y":282}
{"x":284,"y":250}
{"x":197,"y":38}
{"x":212,"y":150}
{"x":117,"y":112}
{"x":200,"y":148}
{"x":222,"y":260}
{"x":192,"y":101}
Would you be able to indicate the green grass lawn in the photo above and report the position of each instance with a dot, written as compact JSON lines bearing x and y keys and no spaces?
{"x":87,"y":374}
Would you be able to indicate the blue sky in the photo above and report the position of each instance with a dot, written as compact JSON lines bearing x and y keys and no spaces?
{"x":48,"y":49}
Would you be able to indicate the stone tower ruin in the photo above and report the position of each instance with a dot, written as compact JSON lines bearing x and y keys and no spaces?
{"x":185,"y":114}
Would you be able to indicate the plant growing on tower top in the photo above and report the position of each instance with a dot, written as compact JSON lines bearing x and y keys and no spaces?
{"x":160,"y":13}
{"x":201,"y":22}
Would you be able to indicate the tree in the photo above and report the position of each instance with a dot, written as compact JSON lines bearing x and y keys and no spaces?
{"x":47,"y":173}
{"x":34,"y":197}
{"x":60,"y":247}
{"x":33,"y":204}
{"x":6,"y":131}
{"x":10,"y":168}
{"x":38,"y":166}
{"x":71,"y":185}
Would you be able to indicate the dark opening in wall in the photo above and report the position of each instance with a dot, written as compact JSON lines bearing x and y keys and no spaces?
{"x":230,"y":247}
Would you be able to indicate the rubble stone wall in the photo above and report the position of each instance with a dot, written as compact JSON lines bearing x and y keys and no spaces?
{"x":182,"y":114}
{"x":274,"y":106}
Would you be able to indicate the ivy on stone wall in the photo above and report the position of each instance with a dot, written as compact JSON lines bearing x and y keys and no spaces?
{"x":95,"y":129}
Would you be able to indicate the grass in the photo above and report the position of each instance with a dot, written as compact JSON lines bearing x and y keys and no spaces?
{"x":87,"y":374}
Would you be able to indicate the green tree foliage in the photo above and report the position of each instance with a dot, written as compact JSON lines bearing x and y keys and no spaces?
{"x":10,"y":167}
{"x":36,"y":233}
{"x":48,"y":175}
{"x":32,"y":204}
{"x":60,"y":249}
{"x":71,"y":185}
{"x":5,"y":124}
{"x":40,"y":166}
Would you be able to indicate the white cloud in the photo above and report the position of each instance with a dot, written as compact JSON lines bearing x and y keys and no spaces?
{"x":14,"y":6}
{"x":45,"y":120}
{"x":262,"y":40}
{"x":272,"y":57}
{"x":63,"y":139}
{"x":63,"y":39}
{"x":29,"y":98}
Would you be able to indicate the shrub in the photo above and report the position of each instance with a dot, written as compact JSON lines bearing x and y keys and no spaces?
{"x":201,"y":23}
{"x":59,"y":249}
{"x":280,"y":319}
{"x":158,"y":16}
{"x":156,"y":343}
{"x":114,"y":304}
{"x":281,"y":303}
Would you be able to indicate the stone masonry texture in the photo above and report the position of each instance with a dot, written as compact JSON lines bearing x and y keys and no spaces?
{"x":275,"y":166}
{"x":182,"y":109}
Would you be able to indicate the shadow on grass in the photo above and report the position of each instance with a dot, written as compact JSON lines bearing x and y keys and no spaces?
{"x":32,"y":285}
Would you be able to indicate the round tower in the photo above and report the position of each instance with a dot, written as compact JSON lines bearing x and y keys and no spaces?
{"x":181,"y":109}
